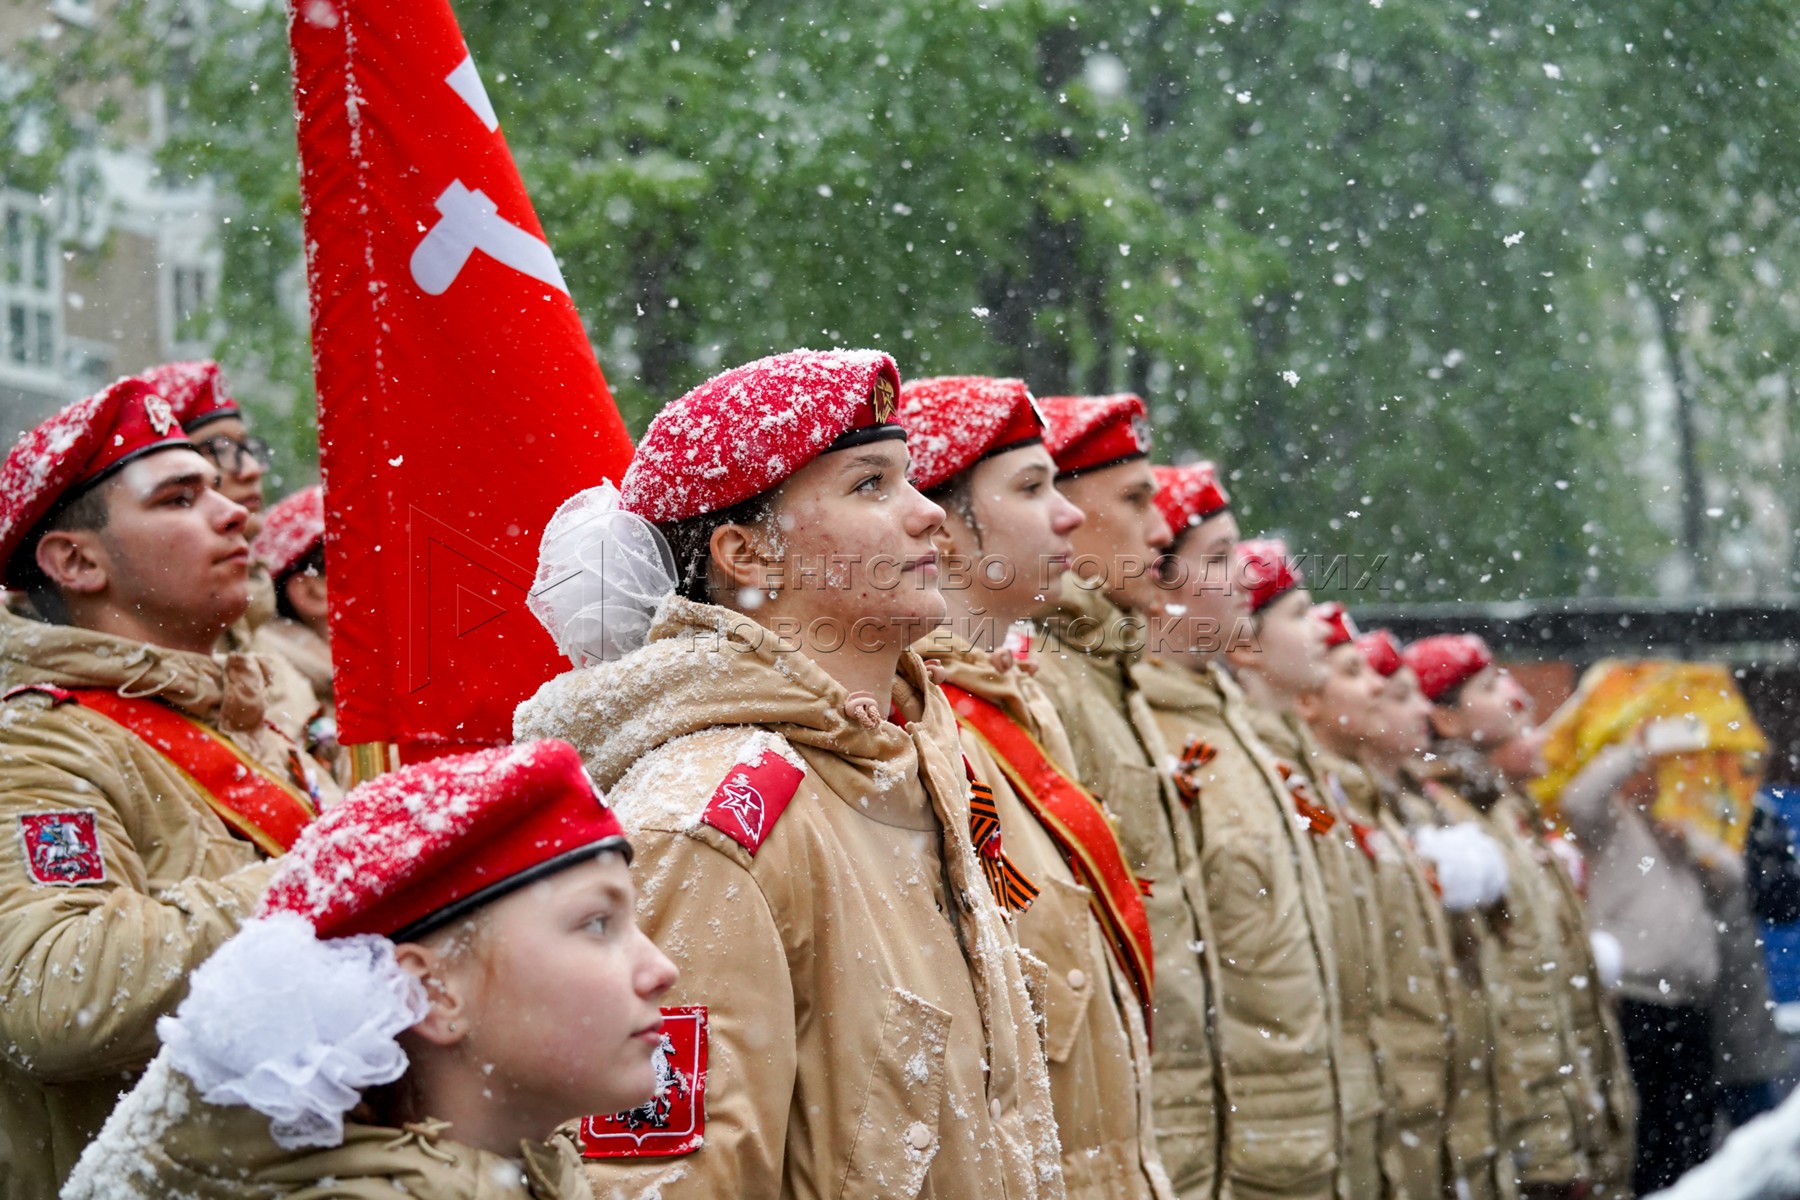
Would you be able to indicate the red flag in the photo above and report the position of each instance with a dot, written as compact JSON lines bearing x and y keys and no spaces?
{"x":459,"y":399}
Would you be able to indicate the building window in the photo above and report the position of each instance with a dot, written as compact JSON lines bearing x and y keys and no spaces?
{"x":30,"y":288}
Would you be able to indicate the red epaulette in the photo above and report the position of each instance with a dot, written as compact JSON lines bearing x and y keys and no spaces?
{"x":752,"y":798}
{"x":57,"y":695}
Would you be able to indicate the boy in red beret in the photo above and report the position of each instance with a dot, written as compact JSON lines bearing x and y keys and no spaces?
{"x":446,"y":968}
{"x":1275,"y":1023}
{"x":1093,"y":633}
{"x":978,"y":452}
{"x":798,"y":799}
{"x":1548,"y":1101}
{"x":140,"y":783}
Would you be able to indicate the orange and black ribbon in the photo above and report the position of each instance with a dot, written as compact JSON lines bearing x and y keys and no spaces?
{"x":1319,"y":819}
{"x":1194,"y":758}
{"x":1078,"y":824}
{"x":1012,"y":891}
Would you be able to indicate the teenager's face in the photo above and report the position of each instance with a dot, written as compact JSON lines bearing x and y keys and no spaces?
{"x":1198,"y":573}
{"x":1123,"y":535}
{"x":1343,"y":709}
{"x":1018,"y":544}
{"x":560,"y":992}
{"x":1402,"y":725}
{"x":1491,"y":710}
{"x":240,"y":472}
{"x":1289,"y":648}
{"x":853,"y":539}
{"x":173,"y":552}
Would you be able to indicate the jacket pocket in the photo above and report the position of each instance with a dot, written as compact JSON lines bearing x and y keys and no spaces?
{"x":897,"y":1134}
{"x":1133,"y":795}
{"x":1056,"y":930}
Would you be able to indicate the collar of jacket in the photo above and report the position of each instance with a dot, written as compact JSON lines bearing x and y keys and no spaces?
{"x":228,"y":691}
{"x":1084,"y":619}
{"x":707,"y":667}
{"x":960,"y":664}
{"x":1171,"y":687}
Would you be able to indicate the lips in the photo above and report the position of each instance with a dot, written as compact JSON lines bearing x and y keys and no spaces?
{"x":923,"y":562}
{"x":652,"y":1032}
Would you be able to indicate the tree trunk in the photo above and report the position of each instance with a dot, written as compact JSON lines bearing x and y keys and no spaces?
{"x":1687,"y":445}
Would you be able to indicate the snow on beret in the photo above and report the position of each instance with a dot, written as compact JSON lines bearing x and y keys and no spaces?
{"x":1086,"y":433}
{"x":954,"y":422}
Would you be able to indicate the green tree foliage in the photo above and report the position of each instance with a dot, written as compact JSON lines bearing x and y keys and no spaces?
{"x":1391,"y":262}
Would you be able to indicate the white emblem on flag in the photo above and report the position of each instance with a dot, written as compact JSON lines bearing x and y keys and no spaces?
{"x":465,"y":81}
{"x":470,"y":222}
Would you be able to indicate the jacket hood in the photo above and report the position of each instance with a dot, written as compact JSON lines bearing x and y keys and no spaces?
{"x":1084,"y":619}
{"x":1174,"y":688}
{"x":228,"y":691}
{"x":707,"y":667}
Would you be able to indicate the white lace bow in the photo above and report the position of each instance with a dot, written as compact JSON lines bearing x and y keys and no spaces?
{"x":294,"y":1027}
{"x":602,"y":573}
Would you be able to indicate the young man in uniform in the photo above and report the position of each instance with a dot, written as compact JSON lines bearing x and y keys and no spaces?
{"x":1277,"y":1015}
{"x":1093,"y":634}
{"x":1284,"y":662}
{"x":1543,"y":1092}
{"x":978,"y":453}
{"x":140,"y":784}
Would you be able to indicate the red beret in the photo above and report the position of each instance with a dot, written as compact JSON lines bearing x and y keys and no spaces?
{"x":954,"y":422}
{"x":1447,"y":660}
{"x":1338,"y":625}
{"x":76,"y":448}
{"x":1085,"y":433}
{"x":291,"y":529}
{"x":741,"y":433}
{"x":1382,"y":651}
{"x":1264,"y":568}
{"x":1189,"y":495}
{"x":194,"y":390}
{"x":413,"y":850}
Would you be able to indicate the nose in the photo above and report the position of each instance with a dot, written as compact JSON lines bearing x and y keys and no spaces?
{"x":228,"y":515}
{"x":659,"y":973}
{"x":1067,"y":518}
{"x":1158,"y":533}
{"x":925,"y":518}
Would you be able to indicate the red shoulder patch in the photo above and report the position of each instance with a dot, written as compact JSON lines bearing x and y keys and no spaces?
{"x":674,"y":1120}
{"x":62,"y":849}
{"x":57,"y":695}
{"x":752,"y":798}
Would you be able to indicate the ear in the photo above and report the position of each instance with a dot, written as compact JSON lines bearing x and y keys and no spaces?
{"x":74,"y":561}
{"x":740,"y":559}
{"x":1309,"y":706}
{"x":446,"y":1022}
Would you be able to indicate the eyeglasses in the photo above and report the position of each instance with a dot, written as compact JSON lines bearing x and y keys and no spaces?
{"x":228,"y":454}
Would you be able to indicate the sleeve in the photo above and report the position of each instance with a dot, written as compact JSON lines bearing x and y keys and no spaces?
{"x":1587,"y":798}
{"x":87,"y":968}
{"x":705,"y":909}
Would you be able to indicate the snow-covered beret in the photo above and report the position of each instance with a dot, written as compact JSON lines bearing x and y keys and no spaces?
{"x":415,"y":849}
{"x":1340,"y":630}
{"x":1447,"y":660}
{"x":1264,"y":567}
{"x":291,"y":529}
{"x":1188,"y":495}
{"x":1086,"y":433}
{"x":195,"y":391}
{"x":75,"y":449}
{"x":1382,"y":651}
{"x":955,"y":421}
{"x":741,"y":433}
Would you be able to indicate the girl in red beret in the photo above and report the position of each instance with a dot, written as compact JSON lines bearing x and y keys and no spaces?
{"x":445,"y":968}
{"x":740,"y":612}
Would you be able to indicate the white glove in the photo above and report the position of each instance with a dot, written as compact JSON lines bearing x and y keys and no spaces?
{"x":1471,"y":869}
{"x":1609,"y":958}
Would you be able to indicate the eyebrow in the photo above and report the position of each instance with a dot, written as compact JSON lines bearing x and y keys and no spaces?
{"x":190,"y":479}
{"x":875,"y":459}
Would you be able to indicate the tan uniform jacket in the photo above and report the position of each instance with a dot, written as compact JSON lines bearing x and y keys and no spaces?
{"x":1271,"y":924}
{"x":85,"y":970}
{"x":303,"y":689}
{"x":1474,"y":1115}
{"x":163,"y":1142}
{"x":870,"y":1032}
{"x":1094,"y":1027}
{"x":1535,"y":1081}
{"x":1348,"y":878}
{"x":1414,"y":1028}
{"x":1083,"y":666}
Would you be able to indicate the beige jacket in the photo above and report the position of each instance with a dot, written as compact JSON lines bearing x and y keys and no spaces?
{"x":1084,"y":667}
{"x":1413,"y":1029}
{"x":870,"y":1029}
{"x":85,"y":969}
{"x":1277,"y":1023}
{"x":1348,"y":879}
{"x":1094,"y":1027}
{"x":163,"y":1141}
